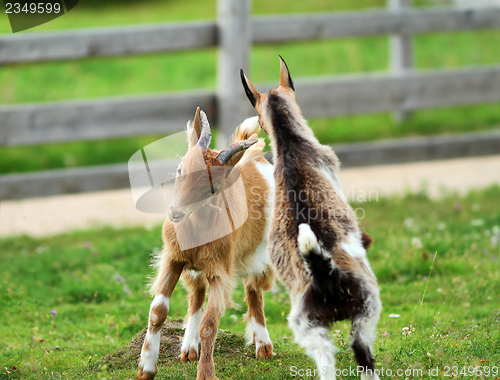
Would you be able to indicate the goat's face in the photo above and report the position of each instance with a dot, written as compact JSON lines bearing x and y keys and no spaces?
{"x":261,"y":101}
{"x":203,"y":172}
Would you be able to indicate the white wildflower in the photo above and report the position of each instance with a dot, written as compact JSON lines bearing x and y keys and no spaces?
{"x":408,"y":222}
{"x":394,"y":315}
{"x":416,"y":242}
{"x":495,"y":239}
{"x":41,"y":249}
{"x":477,"y":222}
{"x":406,"y":331}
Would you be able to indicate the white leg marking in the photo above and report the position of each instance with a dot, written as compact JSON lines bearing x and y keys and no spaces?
{"x":149,"y":357}
{"x":364,"y":328}
{"x":249,"y":331}
{"x":159,"y":299}
{"x":261,"y":337}
{"x":192,"y":334}
{"x":260,"y":332}
{"x":154,"y":318}
{"x":315,"y":341}
{"x":307,"y":241}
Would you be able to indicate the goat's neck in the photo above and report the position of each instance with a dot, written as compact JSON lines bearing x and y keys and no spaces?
{"x":294,"y":144}
{"x":291,"y":136}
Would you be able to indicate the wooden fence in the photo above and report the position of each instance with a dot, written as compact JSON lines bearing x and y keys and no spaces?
{"x":401,"y":90}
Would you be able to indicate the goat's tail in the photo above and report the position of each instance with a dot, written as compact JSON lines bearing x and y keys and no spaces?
{"x":326,"y":276}
{"x":247,"y":129}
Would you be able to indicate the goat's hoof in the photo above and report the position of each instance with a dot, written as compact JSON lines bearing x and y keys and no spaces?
{"x":191,"y":356}
{"x":141,"y":375}
{"x":265,"y":351}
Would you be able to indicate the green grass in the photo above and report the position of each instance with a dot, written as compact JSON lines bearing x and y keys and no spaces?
{"x":95,"y":281}
{"x":156,"y":73}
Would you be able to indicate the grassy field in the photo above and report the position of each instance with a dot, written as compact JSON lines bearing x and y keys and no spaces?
{"x":154,"y":73}
{"x":72,"y":305}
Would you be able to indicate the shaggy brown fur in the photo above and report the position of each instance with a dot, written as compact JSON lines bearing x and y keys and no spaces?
{"x":316,"y":246}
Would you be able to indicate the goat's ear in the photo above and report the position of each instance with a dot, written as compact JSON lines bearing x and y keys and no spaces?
{"x":285,"y":78}
{"x":194,"y":129}
{"x":252,"y":94}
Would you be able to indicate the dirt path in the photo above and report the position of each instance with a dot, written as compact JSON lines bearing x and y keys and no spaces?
{"x":52,"y":215}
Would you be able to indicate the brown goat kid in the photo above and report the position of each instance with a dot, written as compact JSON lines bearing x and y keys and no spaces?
{"x":217,"y":230}
{"x":316,"y":246}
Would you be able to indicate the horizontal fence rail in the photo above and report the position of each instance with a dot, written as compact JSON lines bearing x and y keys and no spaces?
{"x":273,"y":29}
{"x":103,"y":118}
{"x":163,"y":114}
{"x":108,"y":177}
{"x":118,"y":41}
{"x":115,"y":41}
{"x":374,"y":93}
{"x":401,"y":90}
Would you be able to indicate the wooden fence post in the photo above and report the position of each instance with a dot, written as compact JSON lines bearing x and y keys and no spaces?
{"x":401,"y":52}
{"x":234,"y":40}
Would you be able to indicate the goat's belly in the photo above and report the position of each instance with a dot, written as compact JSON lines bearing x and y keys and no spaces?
{"x":253,"y":264}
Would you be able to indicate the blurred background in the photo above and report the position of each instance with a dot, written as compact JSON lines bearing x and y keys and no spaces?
{"x":95,"y":77}
{"x":72,"y":301}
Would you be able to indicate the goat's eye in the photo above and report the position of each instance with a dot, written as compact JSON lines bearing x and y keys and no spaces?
{"x":211,"y":191}
{"x":179,"y":170}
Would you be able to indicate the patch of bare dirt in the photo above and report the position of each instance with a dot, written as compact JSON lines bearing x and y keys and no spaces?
{"x":170,"y":346}
{"x":172,"y":332}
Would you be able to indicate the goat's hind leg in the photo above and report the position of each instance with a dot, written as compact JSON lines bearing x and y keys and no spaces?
{"x":256,"y":321}
{"x":165,"y":282}
{"x":315,"y":339}
{"x":197,"y":286}
{"x":363,"y":335}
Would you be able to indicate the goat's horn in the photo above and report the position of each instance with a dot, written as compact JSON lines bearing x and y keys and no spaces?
{"x":224,"y":156}
{"x":196,"y":123}
{"x":206,"y":134}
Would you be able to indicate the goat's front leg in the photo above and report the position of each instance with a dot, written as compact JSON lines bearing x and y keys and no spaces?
{"x":170,"y":272}
{"x":256,"y":324}
{"x":219,"y":296}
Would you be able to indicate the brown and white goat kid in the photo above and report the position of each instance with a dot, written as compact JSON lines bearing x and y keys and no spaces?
{"x":316,"y":246}
{"x":201,"y":202}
